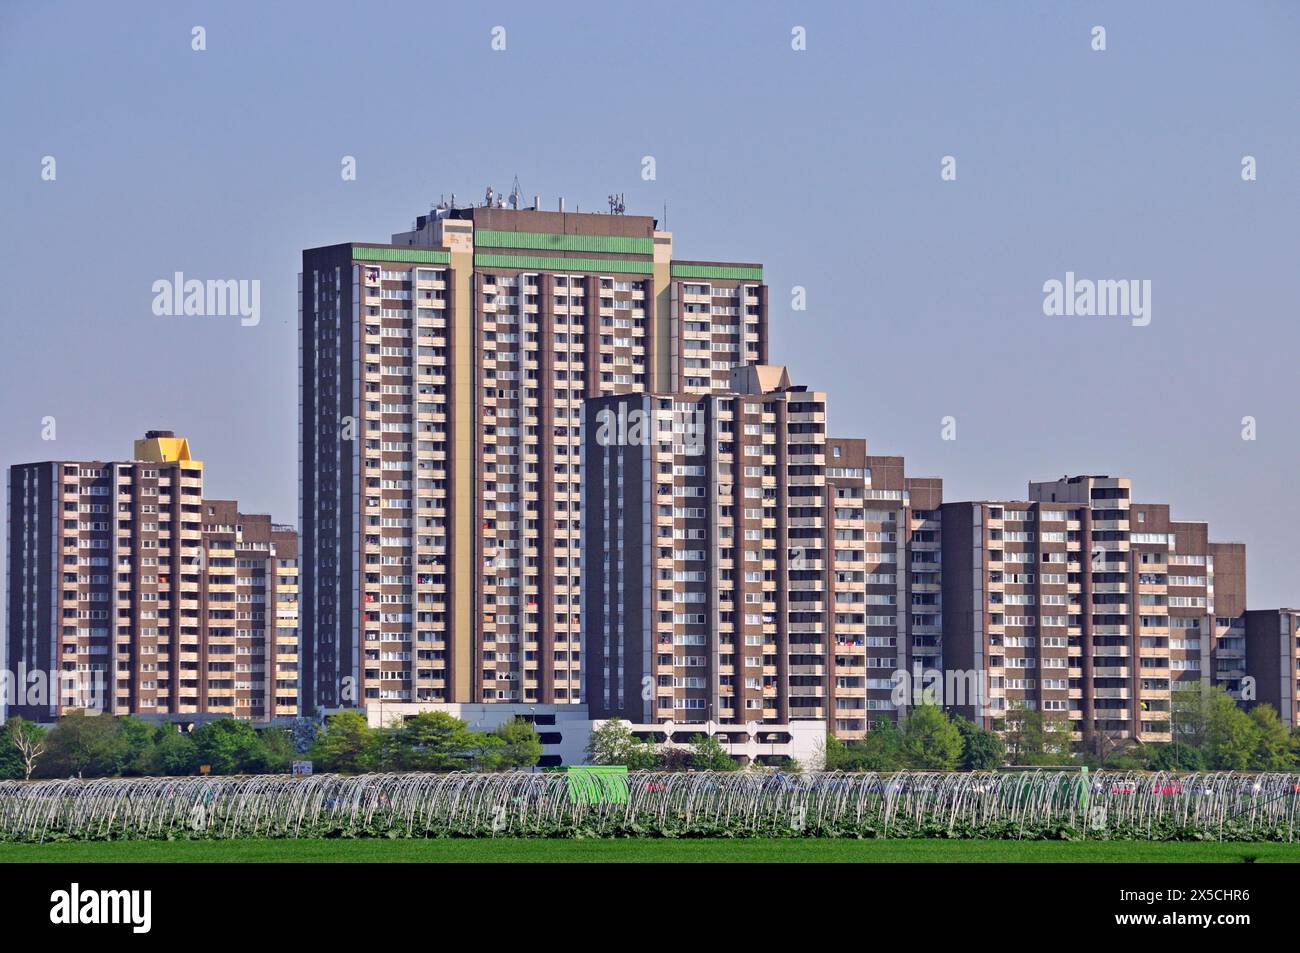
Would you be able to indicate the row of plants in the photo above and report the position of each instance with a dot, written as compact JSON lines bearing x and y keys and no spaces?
{"x":591,"y":802}
{"x":652,"y":826}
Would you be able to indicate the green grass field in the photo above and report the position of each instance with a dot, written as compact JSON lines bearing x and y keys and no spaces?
{"x":523,"y":850}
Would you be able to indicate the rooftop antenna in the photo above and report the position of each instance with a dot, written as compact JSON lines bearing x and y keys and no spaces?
{"x":516,"y":194}
{"x":488,"y":203}
{"x":616,"y":204}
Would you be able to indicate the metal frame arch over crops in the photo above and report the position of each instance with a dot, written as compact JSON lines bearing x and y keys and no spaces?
{"x":1043,"y":803}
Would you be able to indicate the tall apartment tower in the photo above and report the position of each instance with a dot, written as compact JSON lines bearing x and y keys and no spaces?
{"x":1090,"y":608}
{"x":706,"y":590}
{"x":743,"y":566}
{"x":442,"y":382}
{"x":129,"y":593}
{"x":249,"y":601}
{"x":886,"y":584}
{"x":1273,"y":659}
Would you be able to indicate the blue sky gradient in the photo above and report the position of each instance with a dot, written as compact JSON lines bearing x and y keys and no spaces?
{"x":924,"y":297}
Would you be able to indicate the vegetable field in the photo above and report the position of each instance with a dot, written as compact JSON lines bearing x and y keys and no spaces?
{"x":1022,"y":805}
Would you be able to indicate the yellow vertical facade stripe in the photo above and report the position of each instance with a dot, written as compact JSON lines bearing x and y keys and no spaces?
{"x":662,"y":358}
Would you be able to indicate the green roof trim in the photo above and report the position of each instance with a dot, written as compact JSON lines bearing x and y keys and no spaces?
{"x":419,"y":255}
{"x":553,"y":241}
{"x":725,"y":272}
{"x":541,"y":263}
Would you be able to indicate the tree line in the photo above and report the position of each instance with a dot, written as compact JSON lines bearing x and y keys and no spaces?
{"x":92,"y":746}
{"x":96,"y":746}
{"x":1209,"y":731}
{"x":429,"y":741}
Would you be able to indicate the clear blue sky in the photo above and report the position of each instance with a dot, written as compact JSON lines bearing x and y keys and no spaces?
{"x":924,"y":297}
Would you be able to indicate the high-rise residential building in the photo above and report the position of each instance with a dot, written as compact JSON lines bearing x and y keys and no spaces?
{"x":442,"y":382}
{"x":249,"y":628}
{"x":129,"y":593}
{"x":886,"y":585}
{"x":1273,"y":660}
{"x":744,"y":568}
{"x":1089,"y":608}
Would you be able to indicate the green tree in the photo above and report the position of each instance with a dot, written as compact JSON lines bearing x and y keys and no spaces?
{"x":84,"y":745}
{"x":174,"y":752}
{"x":520,"y":745}
{"x":707,"y":754}
{"x":1130,"y":757}
{"x":277,"y":748}
{"x":930,"y":740}
{"x":610,"y":743}
{"x":435,"y":741}
{"x":981,"y":750}
{"x":1033,"y":740}
{"x":489,"y":752}
{"x":614,"y":743}
{"x":346,"y":744}
{"x":1189,"y":716}
{"x":139,"y":738}
{"x":230,"y":747}
{"x":642,"y":756}
{"x":1176,"y":756}
{"x":1231,"y":736}
{"x":880,"y":749}
{"x":1273,"y":750}
{"x":389,"y":749}
{"x":835,"y":754}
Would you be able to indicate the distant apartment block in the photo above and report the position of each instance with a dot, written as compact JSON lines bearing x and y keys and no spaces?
{"x":744,"y":568}
{"x":1089,"y":608}
{"x":1273,"y":660}
{"x":250,"y":628}
{"x":886,"y":585}
{"x":144,"y":597}
{"x":442,"y":381}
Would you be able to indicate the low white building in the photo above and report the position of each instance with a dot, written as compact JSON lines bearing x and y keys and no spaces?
{"x":565,"y":730}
